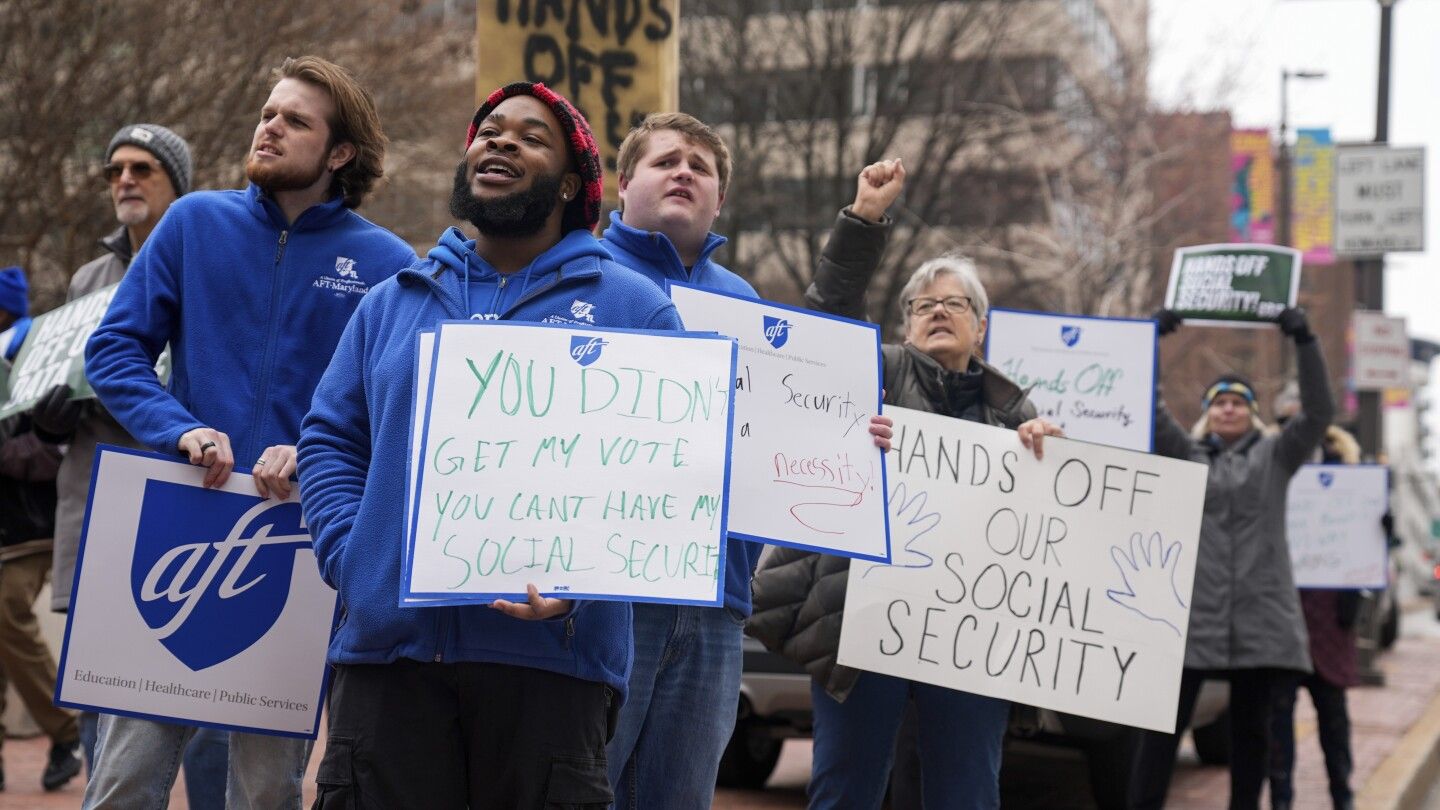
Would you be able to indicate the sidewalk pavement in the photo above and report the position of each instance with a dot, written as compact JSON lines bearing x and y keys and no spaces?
{"x":1394,"y":736}
{"x":1394,"y":733}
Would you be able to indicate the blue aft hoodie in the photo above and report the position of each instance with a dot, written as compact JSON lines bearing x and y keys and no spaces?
{"x":252,"y":307}
{"x":354,"y":448}
{"x":653,"y":255}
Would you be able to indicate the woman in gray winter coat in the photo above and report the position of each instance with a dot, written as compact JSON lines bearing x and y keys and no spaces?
{"x":799,"y":596}
{"x":1245,"y":619}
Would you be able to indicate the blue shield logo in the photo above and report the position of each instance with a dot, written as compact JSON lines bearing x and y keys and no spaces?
{"x":777,"y":330}
{"x":212,"y":570}
{"x":586,"y":350}
{"x":1070,"y":335}
{"x":1326,"y":479}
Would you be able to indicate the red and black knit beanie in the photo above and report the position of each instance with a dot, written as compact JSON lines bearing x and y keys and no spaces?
{"x":584,"y":210}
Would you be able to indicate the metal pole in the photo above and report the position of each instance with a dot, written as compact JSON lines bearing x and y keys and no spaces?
{"x":1370,"y":273}
{"x":1370,"y":294}
{"x":1282,"y":230}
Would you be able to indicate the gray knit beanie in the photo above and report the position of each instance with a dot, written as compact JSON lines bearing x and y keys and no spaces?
{"x":167,"y":147}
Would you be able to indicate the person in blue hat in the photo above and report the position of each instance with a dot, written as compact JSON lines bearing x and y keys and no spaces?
{"x":14,"y":311}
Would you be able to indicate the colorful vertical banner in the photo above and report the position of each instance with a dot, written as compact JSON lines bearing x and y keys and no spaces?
{"x":1314,"y":212}
{"x":1252,"y":187}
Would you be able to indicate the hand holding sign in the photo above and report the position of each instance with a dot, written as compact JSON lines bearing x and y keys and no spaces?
{"x":1293,"y":323}
{"x":56,"y":413}
{"x":208,"y":448}
{"x":1148,"y":571}
{"x":535,"y":608}
{"x":273,"y":470}
{"x":1033,"y":433}
{"x":882,"y":428}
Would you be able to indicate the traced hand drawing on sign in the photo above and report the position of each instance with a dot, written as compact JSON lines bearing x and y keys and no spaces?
{"x":1148,"y":571}
{"x":909,"y":512}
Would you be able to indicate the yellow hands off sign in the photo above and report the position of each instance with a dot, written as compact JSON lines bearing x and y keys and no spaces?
{"x":617,"y":60}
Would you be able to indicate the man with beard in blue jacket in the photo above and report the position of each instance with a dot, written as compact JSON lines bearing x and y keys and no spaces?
{"x":478,"y":706}
{"x":251,"y":289}
{"x":674,"y":172}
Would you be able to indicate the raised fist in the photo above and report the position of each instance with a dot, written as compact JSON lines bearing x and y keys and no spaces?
{"x":877,"y":187}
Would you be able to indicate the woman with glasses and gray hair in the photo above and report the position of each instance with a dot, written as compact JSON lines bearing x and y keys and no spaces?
{"x":799,"y":596}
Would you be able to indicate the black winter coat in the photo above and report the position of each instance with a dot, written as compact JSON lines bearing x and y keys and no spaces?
{"x":799,"y":596}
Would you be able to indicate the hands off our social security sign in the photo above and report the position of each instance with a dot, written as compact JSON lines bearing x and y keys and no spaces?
{"x":1236,"y":285}
{"x":1332,"y":522}
{"x":54,"y":353}
{"x":1094,"y":377}
{"x":202,"y":606}
{"x":1063,"y":584}
{"x":807,"y":472}
{"x":589,"y":462}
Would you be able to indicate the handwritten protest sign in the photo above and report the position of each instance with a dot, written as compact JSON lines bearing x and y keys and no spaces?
{"x":617,"y":60}
{"x":807,"y":472}
{"x":1094,"y":377}
{"x":1332,"y":520}
{"x":592,"y":463}
{"x":54,"y":353}
{"x":194,"y":605}
{"x":1235,"y":285}
{"x":1063,"y":584}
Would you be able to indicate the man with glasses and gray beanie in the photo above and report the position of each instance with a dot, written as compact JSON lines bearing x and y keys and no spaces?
{"x":147,"y":167}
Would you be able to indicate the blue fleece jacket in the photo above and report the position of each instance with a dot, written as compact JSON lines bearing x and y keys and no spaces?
{"x":653,"y":255}
{"x":252,"y":307}
{"x":354,"y":448}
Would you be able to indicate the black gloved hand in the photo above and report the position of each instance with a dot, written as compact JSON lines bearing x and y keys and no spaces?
{"x":1166,"y":321}
{"x":55,"y":415}
{"x":1293,"y":323}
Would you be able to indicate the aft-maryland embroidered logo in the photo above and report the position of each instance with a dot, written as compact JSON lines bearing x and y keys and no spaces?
{"x":777,"y":330}
{"x":583,"y":311}
{"x":586,"y":350}
{"x":1069,"y":335}
{"x":212,"y":584}
{"x":345,"y":281}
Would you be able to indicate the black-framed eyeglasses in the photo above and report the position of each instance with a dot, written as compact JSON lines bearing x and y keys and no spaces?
{"x":954,"y":304}
{"x":139,"y":169}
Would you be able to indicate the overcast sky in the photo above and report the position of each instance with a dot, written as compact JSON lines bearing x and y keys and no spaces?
{"x":1228,"y":54}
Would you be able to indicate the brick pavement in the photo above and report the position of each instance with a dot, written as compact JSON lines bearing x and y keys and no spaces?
{"x":1379,"y":716}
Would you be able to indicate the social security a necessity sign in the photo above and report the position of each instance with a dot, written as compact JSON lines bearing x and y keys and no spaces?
{"x":591,"y":463}
{"x":195,"y":605}
{"x":1063,"y":583}
{"x":807,"y":472}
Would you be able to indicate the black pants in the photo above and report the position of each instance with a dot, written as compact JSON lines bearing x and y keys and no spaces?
{"x":440,"y":736}
{"x":1250,"y":701}
{"x":1334,"y":725}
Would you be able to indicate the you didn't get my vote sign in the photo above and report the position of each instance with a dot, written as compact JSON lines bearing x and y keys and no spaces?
{"x":1062,"y":583}
{"x":591,"y":463}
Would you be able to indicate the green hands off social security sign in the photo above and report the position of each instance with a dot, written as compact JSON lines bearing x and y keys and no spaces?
{"x":1242,"y":285}
{"x":54,"y":353}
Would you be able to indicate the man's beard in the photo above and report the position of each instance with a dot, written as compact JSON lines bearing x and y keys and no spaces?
{"x":272,"y":179}
{"x":521,"y":213}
